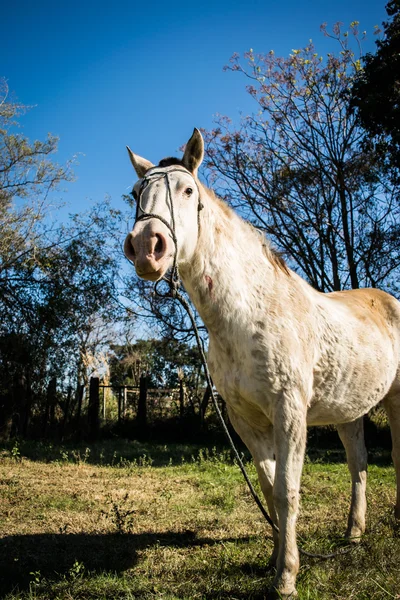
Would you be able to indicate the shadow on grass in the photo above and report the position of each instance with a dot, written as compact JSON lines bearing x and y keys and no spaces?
{"x":21,"y":556}
{"x":376,"y":456}
{"x":126,"y":453}
{"x":120,"y":453}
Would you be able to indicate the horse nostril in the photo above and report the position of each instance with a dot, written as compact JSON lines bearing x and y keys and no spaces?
{"x":159,"y":244}
{"x":129,"y":248}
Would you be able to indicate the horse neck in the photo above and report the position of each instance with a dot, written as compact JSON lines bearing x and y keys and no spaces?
{"x":230,"y":267}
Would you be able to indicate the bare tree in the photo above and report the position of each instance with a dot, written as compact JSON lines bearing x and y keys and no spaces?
{"x":296,"y":168}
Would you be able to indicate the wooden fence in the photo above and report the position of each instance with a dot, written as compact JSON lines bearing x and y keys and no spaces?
{"x":138,"y":403}
{"x":82,"y":412}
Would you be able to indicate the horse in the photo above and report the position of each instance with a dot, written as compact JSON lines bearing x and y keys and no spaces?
{"x":282,"y":354}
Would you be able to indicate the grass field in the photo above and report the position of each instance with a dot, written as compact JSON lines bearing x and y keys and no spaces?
{"x":122,"y":520}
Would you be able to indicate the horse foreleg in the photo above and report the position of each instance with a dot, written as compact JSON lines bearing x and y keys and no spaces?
{"x":392,"y":406}
{"x":290,"y":440}
{"x":261,"y":446}
{"x":352,"y":436}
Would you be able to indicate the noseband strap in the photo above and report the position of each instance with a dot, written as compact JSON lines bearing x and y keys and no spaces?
{"x":174,"y":279}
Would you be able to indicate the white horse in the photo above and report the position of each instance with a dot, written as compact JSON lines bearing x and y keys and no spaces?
{"x":281,"y":354}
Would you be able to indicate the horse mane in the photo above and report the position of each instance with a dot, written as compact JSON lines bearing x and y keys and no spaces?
{"x":274,"y":256}
{"x":169,"y":161}
{"x":277,"y":260}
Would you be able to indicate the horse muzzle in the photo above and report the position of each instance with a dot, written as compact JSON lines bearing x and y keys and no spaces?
{"x":148,"y":248}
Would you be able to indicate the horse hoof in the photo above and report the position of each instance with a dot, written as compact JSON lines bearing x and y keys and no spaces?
{"x":354,"y":539}
{"x":354,"y":536}
{"x":274,"y":594}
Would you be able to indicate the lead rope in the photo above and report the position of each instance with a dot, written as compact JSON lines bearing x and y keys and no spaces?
{"x":174,"y":283}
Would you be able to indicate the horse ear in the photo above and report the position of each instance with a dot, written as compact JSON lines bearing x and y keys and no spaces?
{"x":194,"y":152}
{"x":141,"y":165}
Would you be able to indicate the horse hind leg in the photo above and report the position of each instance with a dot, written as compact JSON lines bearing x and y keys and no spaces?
{"x":352,"y":437}
{"x":392,"y":406}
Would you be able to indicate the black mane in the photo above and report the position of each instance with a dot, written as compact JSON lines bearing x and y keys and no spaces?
{"x":170,"y":160}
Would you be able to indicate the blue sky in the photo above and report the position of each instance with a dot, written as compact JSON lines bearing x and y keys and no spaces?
{"x":103,"y":75}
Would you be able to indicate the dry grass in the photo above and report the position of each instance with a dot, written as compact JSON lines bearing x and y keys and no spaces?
{"x":101,"y":523}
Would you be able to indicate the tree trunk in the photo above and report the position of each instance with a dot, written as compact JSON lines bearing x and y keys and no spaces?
{"x":141,"y":417}
{"x":50,"y":403}
{"x":348,"y":232}
{"x":80,"y":392}
{"x":19,"y":401}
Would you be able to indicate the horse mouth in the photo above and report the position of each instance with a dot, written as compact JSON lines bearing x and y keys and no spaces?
{"x":151,"y":275}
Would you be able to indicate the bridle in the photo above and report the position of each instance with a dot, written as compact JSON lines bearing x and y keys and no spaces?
{"x":173,"y":280}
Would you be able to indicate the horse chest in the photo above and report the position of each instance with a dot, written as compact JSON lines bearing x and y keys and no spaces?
{"x":244,"y":377}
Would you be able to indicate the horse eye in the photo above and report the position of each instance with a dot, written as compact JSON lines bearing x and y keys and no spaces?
{"x":134,"y":194}
{"x":189,"y":191}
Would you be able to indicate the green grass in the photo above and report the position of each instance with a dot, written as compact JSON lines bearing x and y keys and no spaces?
{"x":128,"y":520}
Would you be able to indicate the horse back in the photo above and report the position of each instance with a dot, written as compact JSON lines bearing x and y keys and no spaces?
{"x":371,"y":307}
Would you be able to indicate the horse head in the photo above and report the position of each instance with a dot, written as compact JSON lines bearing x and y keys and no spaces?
{"x":166,"y":229}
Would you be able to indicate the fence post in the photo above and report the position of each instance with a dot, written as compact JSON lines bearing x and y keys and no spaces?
{"x":125,"y":402}
{"x":119,"y":404}
{"x":204,"y":405}
{"x":181,"y":398}
{"x":79,"y":394}
{"x":141,"y":417}
{"x":104,"y":402}
{"x":94,"y":408}
{"x":66,"y":412}
{"x":28,"y":404}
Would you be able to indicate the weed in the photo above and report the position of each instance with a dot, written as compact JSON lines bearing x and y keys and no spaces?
{"x":121,"y":516}
{"x":77,"y":570}
{"x":64,"y":455}
{"x":145,"y":461}
{"x":36,"y":578}
{"x":16,"y":452}
{"x":86,"y":455}
{"x":81,"y":458}
{"x":125,"y":463}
